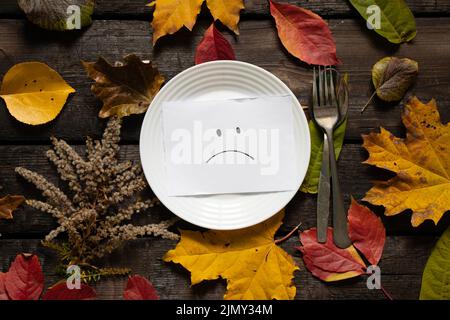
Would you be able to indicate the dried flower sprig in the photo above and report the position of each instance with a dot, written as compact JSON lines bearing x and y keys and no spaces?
{"x":103,"y":197}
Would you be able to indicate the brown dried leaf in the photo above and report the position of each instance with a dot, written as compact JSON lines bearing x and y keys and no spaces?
{"x":125,"y":89}
{"x":392,"y":77}
{"x":8,"y":204}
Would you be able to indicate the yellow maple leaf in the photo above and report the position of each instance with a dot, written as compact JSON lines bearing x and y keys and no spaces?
{"x":249,"y":259}
{"x":171,"y":15}
{"x":34,"y":93}
{"x":227,"y":11}
{"x":421,"y":161}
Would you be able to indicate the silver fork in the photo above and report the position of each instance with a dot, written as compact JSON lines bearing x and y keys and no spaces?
{"x":324,"y":187}
{"x":326,"y":113}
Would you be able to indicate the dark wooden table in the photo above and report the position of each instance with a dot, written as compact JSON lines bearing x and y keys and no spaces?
{"x":122,"y":27}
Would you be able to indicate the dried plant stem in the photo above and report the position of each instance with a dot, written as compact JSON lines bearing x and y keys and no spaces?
{"x":386,"y":293}
{"x":368,"y":102}
{"x":104,"y":194}
{"x":278,"y":241}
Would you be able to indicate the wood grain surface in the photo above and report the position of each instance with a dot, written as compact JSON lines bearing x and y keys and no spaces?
{"x":122,"y":27}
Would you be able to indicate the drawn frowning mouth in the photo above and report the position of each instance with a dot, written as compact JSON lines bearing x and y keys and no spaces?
{"x":225,"y":151}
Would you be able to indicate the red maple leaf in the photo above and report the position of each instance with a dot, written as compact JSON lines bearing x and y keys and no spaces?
{"x":139,"y":288}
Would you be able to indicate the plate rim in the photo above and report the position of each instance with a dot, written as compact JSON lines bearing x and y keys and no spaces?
{"x":296,"y":103}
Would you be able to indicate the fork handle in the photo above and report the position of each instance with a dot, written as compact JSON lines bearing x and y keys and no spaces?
{"x":323,"y":194}
{"x":340,"y":231}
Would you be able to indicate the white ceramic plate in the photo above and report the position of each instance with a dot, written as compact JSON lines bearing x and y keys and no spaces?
{"x":213,"y":81}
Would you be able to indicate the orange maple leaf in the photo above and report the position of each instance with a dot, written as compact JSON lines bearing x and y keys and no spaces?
{"x":421,"y":161}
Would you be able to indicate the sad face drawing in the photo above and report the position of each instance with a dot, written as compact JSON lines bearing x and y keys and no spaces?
{"x":234,"y":150}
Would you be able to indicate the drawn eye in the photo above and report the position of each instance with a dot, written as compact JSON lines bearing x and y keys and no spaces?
{"x":238,"y":130}
{"x":219,"y":133}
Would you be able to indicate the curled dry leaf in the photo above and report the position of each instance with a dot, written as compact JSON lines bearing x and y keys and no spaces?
{"x":139,"y":288}
{"x":60,"y":291}
{"x":366,"y":231}
{"x":396,"y":21}
{"x":421,"y":162}
{"x":249,"y":259}
{"x":125,"y":89}
{"x":24,"y":279}
{"x":304,"y":34}
{"x":213,"y":47}
{"x":34,"y":93}
{"x":8,"y":204}
{"x":58,"y":15}
{"x":227,"y":11}
{"x":435,"y":280}
{"x":329,"y":263}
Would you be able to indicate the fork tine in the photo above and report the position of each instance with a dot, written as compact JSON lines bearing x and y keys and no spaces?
{"x":321,"y":89}
{"x":332,"y":90}
{"x":315,"y":96}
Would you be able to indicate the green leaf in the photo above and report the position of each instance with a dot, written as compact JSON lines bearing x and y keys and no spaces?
{"x":58,"y":15}
{"x":312,"y":176}
{"x":397,"y":23}
{"x":436,"y":276}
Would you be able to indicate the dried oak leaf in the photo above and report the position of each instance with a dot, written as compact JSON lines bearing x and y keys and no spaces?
{"x":124,"y":89}
{"x":421,"y":162}
{"x":60,"y":291}
{"x":139,"y":288}
{"x":58,"y":15}
{"x":304,"y":34}
{"x":213,"y":47}
{"x":24,"y":279}
{"x":8,"y":204}
{"x":34,"y":93}
{"x":249,"y":259}
{"x":392,"y":77}
{"x":329,"y":263}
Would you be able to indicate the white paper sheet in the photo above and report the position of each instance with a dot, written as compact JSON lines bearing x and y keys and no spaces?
{"x":230,"y":146}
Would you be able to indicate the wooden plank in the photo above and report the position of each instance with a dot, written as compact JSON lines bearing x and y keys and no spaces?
{"x":355,"y":179}
{"x":401,"y":268}
{"x":138,"y":9}
{"x":358,"y":48}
